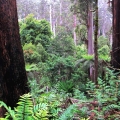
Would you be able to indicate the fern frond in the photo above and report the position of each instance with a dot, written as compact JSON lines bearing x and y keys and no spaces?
{"x":10,"y":112}
{"x":112,"y":107}
{"x":24,"y":108}
{"x":40,"y":111}
{"x":68,"y":113}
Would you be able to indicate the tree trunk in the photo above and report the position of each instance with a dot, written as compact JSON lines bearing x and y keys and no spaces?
{"x":60,"y":12}
{"x":90,"y":38}
{"x":51,"y":17}
{"x":13,"y":79}
{"x":115,"y":61}
{"x":75,"y":24}
{"x":96,"y":46}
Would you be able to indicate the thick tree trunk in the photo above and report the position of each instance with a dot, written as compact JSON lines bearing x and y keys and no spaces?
{"x":13,"y":80}
{"x":115,"y":61}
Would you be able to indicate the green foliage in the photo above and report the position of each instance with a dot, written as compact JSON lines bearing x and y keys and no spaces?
{"x":34,"y":88}
{"x":60,"y":68}
{"x":106,"y":93}
{"x":30,"y":53}
{"x":102,"y":41}
{"x":80,"y":51}
{"x":40,"y":49}
{"x":80,"y":74}
{"x":72,"y":112}
{"x":62,"y":45}
{"x":10,"y":112}
{"x":81,"y":31}
{"x":26,"y":110}
{"x":84,"y":64}
{"x":88,"y":57}
{"x":103,"y":49}
{"x":104,"y":53}
{"x":66,"y":86}
{"x":34,"y":54}
{"x":79,"y":95}
{"x":31,"y":67}
{"x":53,"y":100}
{"x":35,"y":31}
{"x":69,"y":113}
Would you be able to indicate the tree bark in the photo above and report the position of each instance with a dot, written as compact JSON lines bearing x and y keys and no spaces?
{"x":115,"y":61}
{"x":96,"y":46}
{"x":13,"y":79}
{"x":90,"y":38}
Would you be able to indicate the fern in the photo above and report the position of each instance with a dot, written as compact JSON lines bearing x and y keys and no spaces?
{"x":40,"y":111}
{"x":31,"y":67}
{"x":68,"y":113}
{"x":66,"y":86}
{"x":10,"y":112}
{"x":111,"y":107}
{"x":24,"y":108}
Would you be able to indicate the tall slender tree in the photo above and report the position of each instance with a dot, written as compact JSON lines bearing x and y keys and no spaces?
{"x":90,"y":36}
{"x":96,"y":45}
{"x":13,"y":79}
{"x":84,"y":11}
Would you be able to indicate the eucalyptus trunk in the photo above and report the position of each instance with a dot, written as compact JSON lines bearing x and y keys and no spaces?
{"x":90,"y":38}
{"x":13,"y":79}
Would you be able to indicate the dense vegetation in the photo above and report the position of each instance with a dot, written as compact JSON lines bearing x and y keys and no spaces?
{"x":59,"y":79}
{"x":58,"y":75}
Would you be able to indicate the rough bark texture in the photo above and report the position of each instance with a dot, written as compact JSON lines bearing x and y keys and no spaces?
{"x":115,"y":61}
{"x":13,"y":80}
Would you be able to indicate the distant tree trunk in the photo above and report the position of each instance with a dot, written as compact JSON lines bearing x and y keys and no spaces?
{"x":96,"y":46}
{"x":54,"y":21}
{"x":13,"y":79}
{"x":75,"y":38}
{"x":51,"y":17}
{"x":90,"y":38}
{"x":60,"y":12}
{"x":115,"y":61}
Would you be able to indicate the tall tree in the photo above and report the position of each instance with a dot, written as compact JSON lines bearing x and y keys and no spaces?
{"x":84,"y":11}
{"x":115,"y":61}
{"x":90,"y":37}
{"x":13,"y":77}
{"x":96,"y":45}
